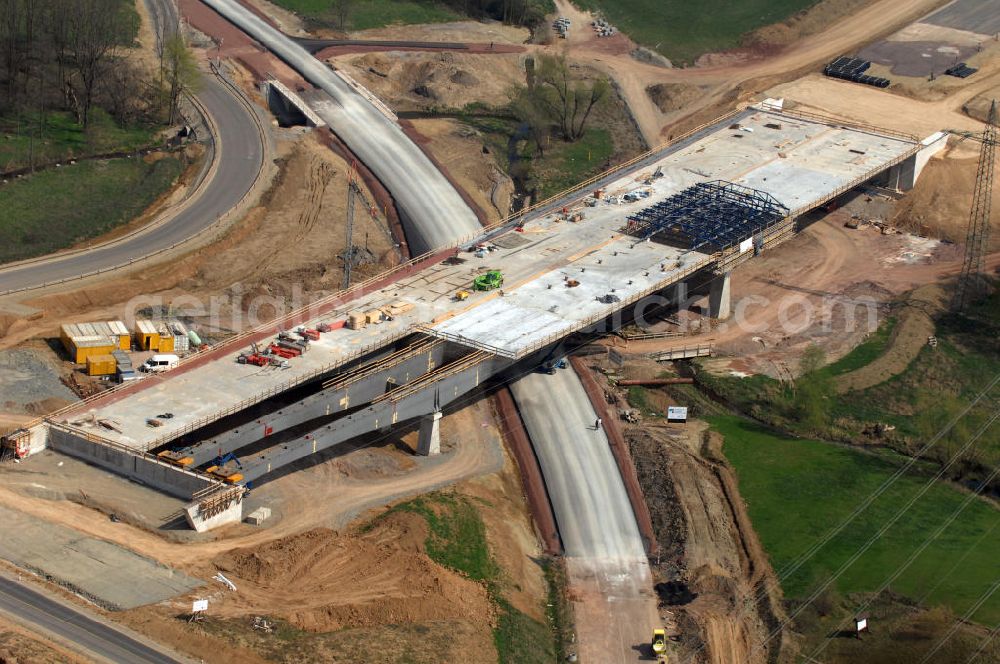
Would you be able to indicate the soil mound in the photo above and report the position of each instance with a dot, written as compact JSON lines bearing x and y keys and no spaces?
{"x":323,"y":581}
{"x":673,"y":96}
{"x":415,"y":81}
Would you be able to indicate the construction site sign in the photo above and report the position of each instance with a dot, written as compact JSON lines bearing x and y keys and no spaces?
{"x":746,"y":245}
{"x":199,"y":605}
{"x":677,"y":414}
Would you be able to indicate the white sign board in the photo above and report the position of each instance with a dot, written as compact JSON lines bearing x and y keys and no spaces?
{"x":862,"y":624}
{"x":677,"y":413}
{"x":199,"y":605}
{"x":746,"y":245}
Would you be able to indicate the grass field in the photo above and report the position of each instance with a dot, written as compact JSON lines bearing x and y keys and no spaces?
{"x":63,"y":139}
{"x":865,"y":353}
{"x":567,"y":164}
{"x":797,"y":491}
{"x":367,"y":14}
{"x":918,"y":402}
{"x":684,"y":30}
{"x":58,"y":207}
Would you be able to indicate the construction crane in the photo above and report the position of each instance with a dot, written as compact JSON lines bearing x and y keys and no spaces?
{"x":972,"y":280}
{"x":353,"y":191}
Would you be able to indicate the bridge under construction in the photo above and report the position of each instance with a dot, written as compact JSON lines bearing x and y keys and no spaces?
{"x":690,"y":211}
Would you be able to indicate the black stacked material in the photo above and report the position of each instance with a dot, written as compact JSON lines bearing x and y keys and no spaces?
{"x":961,"y":70}
{"x":853,"y":69}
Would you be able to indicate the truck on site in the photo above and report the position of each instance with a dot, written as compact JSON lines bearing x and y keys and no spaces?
{"x":659,"y":644}
{"x":550,"y":366}
{"x":489,"y":281}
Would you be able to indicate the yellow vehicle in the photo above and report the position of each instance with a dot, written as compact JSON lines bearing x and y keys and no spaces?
{"x":659,"y":644}
{"x":461,"y":295}
{"x":226,"y":473}
{"x":179,"y":458}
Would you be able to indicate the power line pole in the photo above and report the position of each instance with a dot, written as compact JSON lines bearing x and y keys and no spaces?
{"x":972,"y":281}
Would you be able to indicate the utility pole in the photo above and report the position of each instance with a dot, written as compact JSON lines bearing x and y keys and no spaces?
{"x":972,"y":281}
{"x":354,"y":191}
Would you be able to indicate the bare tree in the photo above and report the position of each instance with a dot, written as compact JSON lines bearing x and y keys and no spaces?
{"x":339,"y":12}
{"x":57,"y":26}
{"x":93,"y":41}
{"x":180,"y":73}
{"x":565,"y":99}
{"x":124,"y":92}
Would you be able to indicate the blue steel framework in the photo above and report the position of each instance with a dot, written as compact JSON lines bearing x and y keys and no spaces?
{"x":719,"y":214}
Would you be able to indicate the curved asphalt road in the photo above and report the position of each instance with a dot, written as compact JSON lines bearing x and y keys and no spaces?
{"x":424,"y":196}
{"x":94,"y":636}
{"x":240,"y":157}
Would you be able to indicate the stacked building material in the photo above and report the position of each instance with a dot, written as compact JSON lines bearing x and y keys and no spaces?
{"x":853,"y":69}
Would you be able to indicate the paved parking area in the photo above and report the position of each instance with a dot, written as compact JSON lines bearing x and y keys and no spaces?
{"x":105,"y":573}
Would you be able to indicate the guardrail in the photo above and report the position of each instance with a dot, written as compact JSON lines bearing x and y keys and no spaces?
{"x":839,"y":122}
{"x":683,"y":352}
{"x":646,"y":336}
{"x":138,"y":259}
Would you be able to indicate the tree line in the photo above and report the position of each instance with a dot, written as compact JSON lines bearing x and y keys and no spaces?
{"x":74,"y":56}
{"x":529,"y":13}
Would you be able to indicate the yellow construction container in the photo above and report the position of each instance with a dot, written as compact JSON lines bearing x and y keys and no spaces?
{"x":83,"y":340}
{"x":166,"y":344}
{"x":118,"y":331}
{"x":101,"y":365}
{"x":154,"y":336}
{"x":147,"y":336}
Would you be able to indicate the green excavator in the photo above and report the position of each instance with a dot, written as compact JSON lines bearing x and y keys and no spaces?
{"x":489,"y":281}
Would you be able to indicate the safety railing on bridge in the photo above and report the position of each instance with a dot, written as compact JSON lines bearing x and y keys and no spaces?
{"x":329,"y":303}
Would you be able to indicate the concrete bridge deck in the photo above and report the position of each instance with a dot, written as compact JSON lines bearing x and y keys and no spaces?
{"x":800,"y":161}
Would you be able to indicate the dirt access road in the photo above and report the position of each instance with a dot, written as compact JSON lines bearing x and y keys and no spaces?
{"x":722,"y":81}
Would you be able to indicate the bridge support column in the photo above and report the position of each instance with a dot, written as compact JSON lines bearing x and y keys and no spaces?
{"x":429,"y":440}
{"x":720,"y":297}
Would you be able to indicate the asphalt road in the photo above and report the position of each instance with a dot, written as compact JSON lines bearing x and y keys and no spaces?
{"x":425,"y":198}
{"x":240,"y":155}
{"x":36,"y":609}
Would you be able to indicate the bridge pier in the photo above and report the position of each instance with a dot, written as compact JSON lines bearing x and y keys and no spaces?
{"x":720,"y":297}
{"x":429,"y":440}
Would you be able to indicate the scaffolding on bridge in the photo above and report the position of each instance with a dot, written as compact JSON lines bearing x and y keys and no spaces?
{"x":715,"y":214}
